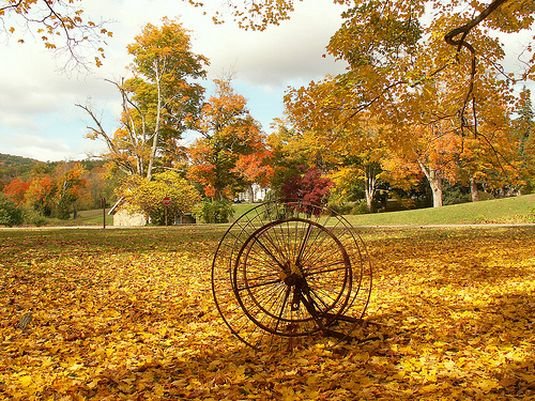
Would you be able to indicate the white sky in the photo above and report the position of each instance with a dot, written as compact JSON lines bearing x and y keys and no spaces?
{"x":38,"y":118}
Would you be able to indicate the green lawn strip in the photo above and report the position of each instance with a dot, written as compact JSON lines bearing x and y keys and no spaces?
{"x":519,"y":209}
{"x":241,"y":208}
{"x":515,"y":210}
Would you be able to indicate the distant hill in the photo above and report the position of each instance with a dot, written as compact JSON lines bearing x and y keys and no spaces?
{"x":21,"y":167}
{"x":15,"y":166}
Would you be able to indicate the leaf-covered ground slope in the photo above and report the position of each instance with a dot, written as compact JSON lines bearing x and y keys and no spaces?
{"x":128,"y":314}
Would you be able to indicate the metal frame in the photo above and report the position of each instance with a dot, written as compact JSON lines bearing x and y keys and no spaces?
{"x":286,"y":270}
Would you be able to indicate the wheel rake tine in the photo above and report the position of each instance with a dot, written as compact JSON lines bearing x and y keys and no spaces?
{"x":265,"y":255}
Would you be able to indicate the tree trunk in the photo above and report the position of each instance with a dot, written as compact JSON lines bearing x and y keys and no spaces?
{"x":369,"y":191}
{"x":436,"y":187}
{"x":474,"y":191}
{"x":156,"y":135}
{"x":434,"y":179}
{"x":371,"y":186}
{"x":251,"y":193}
{"x":369,"y":199}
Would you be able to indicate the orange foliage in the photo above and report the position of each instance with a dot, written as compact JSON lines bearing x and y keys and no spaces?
{"x":15,"y":190}
{"x":255,"y":167}
{"x":232,"y":151}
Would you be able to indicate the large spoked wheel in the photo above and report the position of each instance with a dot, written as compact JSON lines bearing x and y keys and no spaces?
{"x":289,"y":269}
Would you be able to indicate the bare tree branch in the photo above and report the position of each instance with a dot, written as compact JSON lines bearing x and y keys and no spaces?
{"x":11,"y":6}
{"x":101,"y":132}
{"x":451,"y":39}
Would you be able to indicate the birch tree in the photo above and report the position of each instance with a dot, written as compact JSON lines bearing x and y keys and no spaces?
{"x":158,"y":103}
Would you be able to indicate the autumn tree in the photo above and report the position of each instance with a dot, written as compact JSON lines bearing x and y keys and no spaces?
{"x":395,"y":48}
{"x":223,"y":159}
{"x":40,"y":195}
{"x":403,"y":72}
{"x":255,"y":168}
{"x":158,"y":104}
{"x":70,"y":182}
{"x":61,"y":25}
{"x":54,"y":189}
{"x":15,"y":190}
{"x":101,"y":181}
{"x":492,"y":162}
{"x":147,"y":196}
{"x":288,"y":160}
{"x":352,"y":150}
{"x":312,"y":186}
{"x":299,"y":164}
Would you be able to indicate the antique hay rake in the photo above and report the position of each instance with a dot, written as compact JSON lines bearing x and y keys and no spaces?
{"x":290,"y":270}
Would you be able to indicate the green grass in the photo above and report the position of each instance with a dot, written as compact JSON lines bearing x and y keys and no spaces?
{"x":519,"y":209}
{"x":93,"y":217}
{"x":84,"y":218}
{"x":241,"y":208}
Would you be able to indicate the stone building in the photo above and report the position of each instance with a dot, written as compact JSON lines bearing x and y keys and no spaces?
{"x":122,"y":217}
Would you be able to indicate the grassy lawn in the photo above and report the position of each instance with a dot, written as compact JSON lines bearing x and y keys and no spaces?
{"x":128,"y":315}
{"x":91,"y":218}
{"x":510,"y":210}
{"x":94,"y":217}
{"x":519,"y":209}
{"x":84,"y":218}
{"x":241,"y":208}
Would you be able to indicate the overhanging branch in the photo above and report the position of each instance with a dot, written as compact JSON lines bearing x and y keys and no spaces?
{"x":452,"y":38}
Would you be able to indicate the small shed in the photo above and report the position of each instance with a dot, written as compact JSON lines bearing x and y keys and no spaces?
{"x":122,"y":217}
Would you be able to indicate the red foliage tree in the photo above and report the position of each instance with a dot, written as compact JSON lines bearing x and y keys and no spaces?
{"x":15,"y":190}
{"x":309,"y":187}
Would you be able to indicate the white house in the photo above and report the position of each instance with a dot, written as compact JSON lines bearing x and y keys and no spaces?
{"x":255,"y":193}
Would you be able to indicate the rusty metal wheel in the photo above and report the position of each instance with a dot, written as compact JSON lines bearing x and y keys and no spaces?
{"x":285,"y":270}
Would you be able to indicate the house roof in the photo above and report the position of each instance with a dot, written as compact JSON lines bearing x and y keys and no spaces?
{"x":119,"y":202}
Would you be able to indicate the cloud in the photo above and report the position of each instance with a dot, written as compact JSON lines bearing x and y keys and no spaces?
{"x":35,"y":88}
{"x":280,"y":55}
{"x":35,"y":146}
{"x":273,"y":57}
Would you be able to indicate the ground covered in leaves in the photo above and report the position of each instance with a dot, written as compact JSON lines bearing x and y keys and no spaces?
{"x":128,"y":314}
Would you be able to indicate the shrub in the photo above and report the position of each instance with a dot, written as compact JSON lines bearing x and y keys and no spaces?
{"x":483,"y":196}
{"x":214,"y":211}
{"x":147,"y":196}
{"x":341,"y":208}
{"x":10,"y":215}
{"x":311,"y":187}
{"x":33,"y":218}
{"x":360,"y":207}
{"x":455,"y":196}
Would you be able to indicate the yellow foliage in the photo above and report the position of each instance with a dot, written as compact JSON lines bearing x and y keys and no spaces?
{"x":128,"y":314}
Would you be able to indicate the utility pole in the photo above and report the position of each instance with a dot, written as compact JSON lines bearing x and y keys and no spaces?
{"x":103,"y":201}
